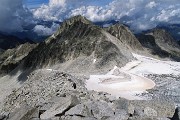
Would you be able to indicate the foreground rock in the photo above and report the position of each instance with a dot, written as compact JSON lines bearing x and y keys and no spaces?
{"x":42,"y":86}
{"x":60,"y":107}
{"x":52,"y":94}
{"x":152,"y":108}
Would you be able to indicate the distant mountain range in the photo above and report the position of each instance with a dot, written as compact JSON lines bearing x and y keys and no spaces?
{"x":10,"y":41}
{"x":78,"y":39}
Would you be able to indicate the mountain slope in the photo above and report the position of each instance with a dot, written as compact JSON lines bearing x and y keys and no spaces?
{"x":125,"y":36}
{"x":82,"y":46}
{"x":11,"y":58}
{"x":160,"y":43}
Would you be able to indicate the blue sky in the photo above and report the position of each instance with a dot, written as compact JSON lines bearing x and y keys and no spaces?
{"x":37,"y":3}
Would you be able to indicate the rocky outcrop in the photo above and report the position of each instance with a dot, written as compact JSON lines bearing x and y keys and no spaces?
{"x":11,"y":58}
{"x":79,"y":43}
{"x":123,"y":33}
{"x":59,"y":108}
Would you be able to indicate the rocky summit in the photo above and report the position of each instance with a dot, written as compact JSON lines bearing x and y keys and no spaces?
{"x":86,"y":72}
{"x":80,"y":46}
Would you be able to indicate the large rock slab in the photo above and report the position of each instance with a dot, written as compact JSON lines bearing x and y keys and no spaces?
{"x":24,"y":113}
{"x":99,"y":109}
{"x":91,"y":109}
{"x":60,"y":107}
{"x":79,"y":110}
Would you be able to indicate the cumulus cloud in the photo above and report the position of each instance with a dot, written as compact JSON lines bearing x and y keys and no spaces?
{"x":56,"y":10}
{"x":13,"y":16}
{"x":138,"y":14}
{"x":45,"y":31}
{"x":151,"y":4}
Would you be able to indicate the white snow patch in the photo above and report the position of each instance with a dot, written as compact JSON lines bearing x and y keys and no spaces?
{"x":94,"y":60}
{"x":120,"y":83}
{"x":128,"y":81}
{"x":53,"y":36}
{"x":154,"y":66}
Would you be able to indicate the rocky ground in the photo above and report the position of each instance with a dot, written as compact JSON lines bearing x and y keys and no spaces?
{"x":54,"y":95}
{"x":167,"y":87}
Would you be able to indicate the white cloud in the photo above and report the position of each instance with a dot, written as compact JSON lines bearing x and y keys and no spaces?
{"x":151,"y":4}
{"x":139,"y":14}
{"x":56,"y":10}
{"x":45,"y":31}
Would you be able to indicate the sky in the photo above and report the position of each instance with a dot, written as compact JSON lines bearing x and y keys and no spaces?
{"x":138,"y":14}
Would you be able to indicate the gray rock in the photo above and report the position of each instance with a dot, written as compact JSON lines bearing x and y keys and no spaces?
{"x":155,"y":108}
{"x":150,"y":108}
{"x":24,"y":113}
{"x":2,"y":117}
{"x":163,"y":119}
{"x":150,"y":112}
{"x":60,"y":107}
{"x":99,"y":109}
{"x":79,"y":110}
{"x":78,"y":118}
{"x":141,"y":118}
{"x":119,"y":115}
{"x":124,"y":104}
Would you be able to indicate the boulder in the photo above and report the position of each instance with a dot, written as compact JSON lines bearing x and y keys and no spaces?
{"x":99,"y":109}
{"x":60,"y":107}
{"x":79,"y":110}
{"x":24,"y":113}
{"x":119,"y":115}
{"x":150,"y":112}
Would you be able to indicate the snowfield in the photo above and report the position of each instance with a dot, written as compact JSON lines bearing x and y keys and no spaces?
{"x":128,"y":81}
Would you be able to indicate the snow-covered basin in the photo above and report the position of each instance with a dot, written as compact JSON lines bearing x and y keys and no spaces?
{"x":128,"y":81}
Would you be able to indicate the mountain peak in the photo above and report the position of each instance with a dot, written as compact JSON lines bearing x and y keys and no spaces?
{"x":123,"y":33}
{"x":75,"y":23}
{"x":78,"y":18}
